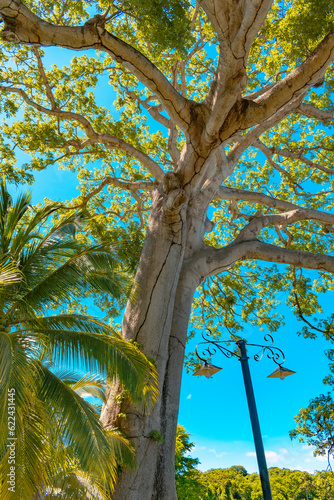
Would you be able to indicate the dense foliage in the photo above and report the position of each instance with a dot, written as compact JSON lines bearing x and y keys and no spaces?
{"x":231,"y":484}
{"x":235,"y":483}
{"x":187,"y":477}
{"x":315,"y":426}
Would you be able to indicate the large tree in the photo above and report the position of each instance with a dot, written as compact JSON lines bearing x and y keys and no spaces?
{"x":223,"y":111}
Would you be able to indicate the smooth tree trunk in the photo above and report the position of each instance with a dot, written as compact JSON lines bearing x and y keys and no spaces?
{"x":166,"y":280}
{"x":157,"y":319}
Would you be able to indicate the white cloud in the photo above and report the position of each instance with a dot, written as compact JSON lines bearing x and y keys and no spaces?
{"x":271,"y":456}
{"x":218,"y":455}
{"x":300,"y":467}
{"x":284,"y":451}
{"x":321,"y":458}
{"x":199,"y":448}
{"x":189,"y":396}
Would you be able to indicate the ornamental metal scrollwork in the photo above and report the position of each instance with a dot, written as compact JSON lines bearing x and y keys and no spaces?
{"x":272,"y":352}
{"x":212,"y":346}
{"x":211,"y":349}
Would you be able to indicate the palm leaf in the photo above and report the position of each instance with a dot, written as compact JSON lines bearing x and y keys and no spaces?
{"x":98,"y":450}
{"x":5,"y":375}
{"x":76,"y":340}
{"x":89,"y":384}
{"x":10,"y":214}
{"x":57,"y":284}
{"x":9,"y":274}
{"x":75,"y":485}
{"x":26,"y":232}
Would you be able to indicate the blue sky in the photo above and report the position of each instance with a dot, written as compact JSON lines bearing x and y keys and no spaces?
{"x":215,"y":411}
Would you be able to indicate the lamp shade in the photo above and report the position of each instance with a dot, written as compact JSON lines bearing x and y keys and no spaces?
{"x":207,"y":370}
{"x":281,"y":373}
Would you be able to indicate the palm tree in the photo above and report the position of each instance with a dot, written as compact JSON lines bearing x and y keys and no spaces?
{"x":43,"y":418}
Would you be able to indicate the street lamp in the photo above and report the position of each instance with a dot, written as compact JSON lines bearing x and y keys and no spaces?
{"x":272,"y":352}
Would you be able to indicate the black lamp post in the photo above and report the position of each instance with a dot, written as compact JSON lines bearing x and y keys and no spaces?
{"x":273,"y":353}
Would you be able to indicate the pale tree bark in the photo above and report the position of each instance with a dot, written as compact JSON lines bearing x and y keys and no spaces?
{"x":174,"y":259}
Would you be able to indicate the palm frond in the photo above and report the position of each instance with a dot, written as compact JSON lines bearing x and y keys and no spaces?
{"x":59,"y":232}
{"x":76,"y":340}
{"x":97,"y":449}
{"x":18,"y":376}
{"x":10,"y":214}
{"x":30,"y":439}
{"x":56,"y":284}
{"x":75,"y":485}
{"x":5,"y":374}
{"x":9,"y":274}
{"x":89,"y":384}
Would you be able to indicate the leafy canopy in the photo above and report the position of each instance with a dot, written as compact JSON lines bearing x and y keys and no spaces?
{"x":115,"y":103}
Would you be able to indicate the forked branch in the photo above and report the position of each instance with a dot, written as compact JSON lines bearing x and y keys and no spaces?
{"x":285,"y":153}
{"x":109,"y":141}
{"x":22,"y":26}
{"x":256,"y":224}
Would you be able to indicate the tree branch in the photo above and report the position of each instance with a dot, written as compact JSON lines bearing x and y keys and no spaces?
{"x":246,"y":113}
{"x":256,"y":224}
{"x":236,"y":28}
{"x":234,"y":194}
{"x":153,"y":110}
{"x":323,"y":115}
{"x":112,"y":181}
{"x":259,"y":92}
{"x":299,"y":308}
{"x":44,"y":78}
{"x":22,"y":26}
{"x":269,"y":152}
{"x":133,"y":187}
{"x":244,"y":141}
{"x":173,"y":150}
{"x":212,"y":261}
{"x":111,"y":142}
